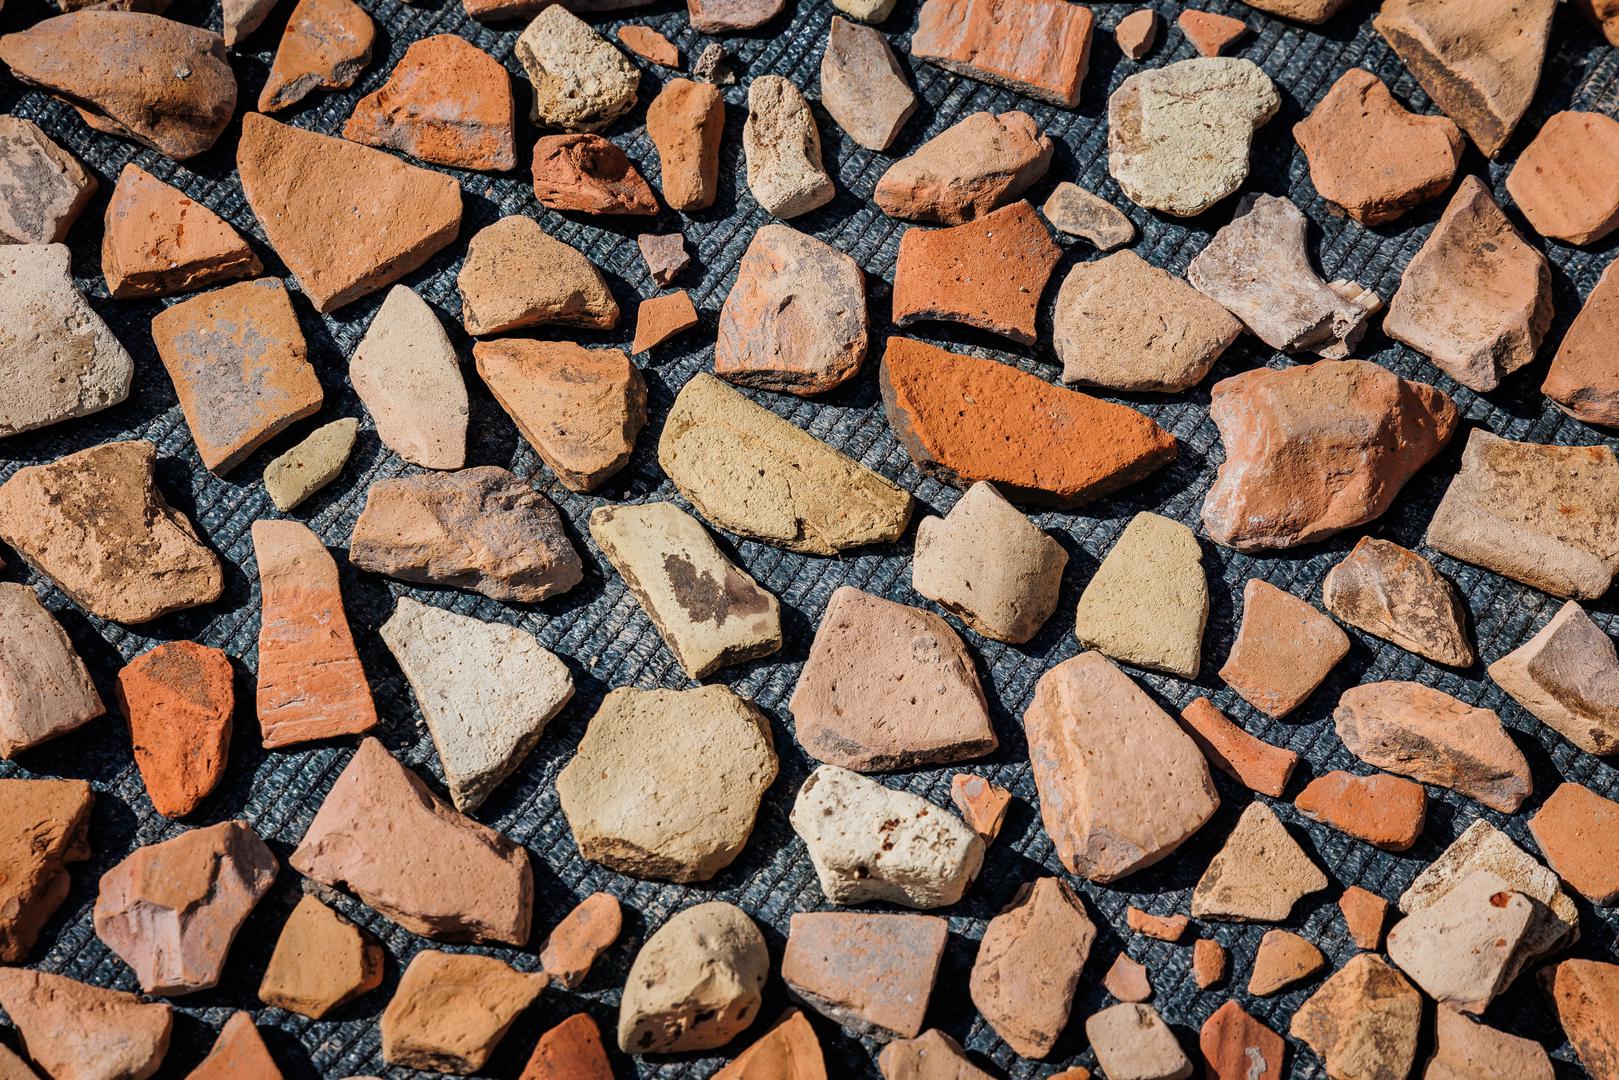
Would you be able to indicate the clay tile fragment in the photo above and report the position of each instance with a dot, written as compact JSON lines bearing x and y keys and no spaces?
{"x":1428,"y":735}
{"x":863,"y":86}
{"x":452,"y":1009}
{"x":1583,"y":379}
{"x":1318,"y":448}
{"x":1210,"y":33}
{"x":932,"y":1055}
{"x":749,"y":471}
{"x":1383,"y":810}
{"x":1121,"y":786}
{"x":1393,"y":593}
{"x":1258,"y":267}
{"x":1305,"y":11}
{"x":707,"y":609}
{"x":142,"y":77}
{"x":650,"y":45}
{"x":1259,"y":874}
{"x":1480,"y":65}
{"x":1544,"y":515}
{"x":988,"y":273}
{"x":1567,"y":676}
{"x":1579,"y":832}
{"x":178,"y":699}
{"x":982,"y":805}
{"x":310,"y":685}
{"x":1284,"y":959}
{"x":1138,"y":32}
{"x":1465,"y":1050}
{"x":964,"y":419}
{"x":517,"y":275}
{"x":661,"y":318}
{"x":1028,"y":965}
{"x":1476,"y":298}
{"x":666,"y":784}
{"x":1148,"y":601}
{"x":43,"y":188}
{"x":96,"y":524}
{"x":1041,"y":48}
{"x":696,"y":984}
{"x":723,"y":16}
{"x":870,"y":973}
{"x":1236,"y":1046}
{"x":321,"y":962}
{"x":446,"y":101}
{"x":1101,"y":340}
{"x":664,"y":254}
{"x":327,"y":43}
{"x":408,"y":377}
{"x":589,"y":174}
{"x":481,"y":528}
{"x":302,"y":470}
{"x":1209,"y":963}
{"x":581,"y":82}
{"x":58,"y":359}
{"x":159,"y":242}
{"x":1285,"y":648}
{"x":1178,"y":136}
{"x":1158,"y":927}
{"x":1585,"y":994}
{"x":788,"y":1051}
{"x":795,"y":320}
{"x":872,"y":842}
{"x":685,"y":123}
{"x":238,"y":1052}
{"x":172,"y":909}
{"x":1364,"y":914}
{"x":570,"y":1051}
{"x":346,"y":219}
{"x":1560,"y":181}
{"x":575,"y":943}
{"x":47,"y":827}
{"x":1363,"y":1021}
{"x":1371,"y":156}
{"x":1079,"y":212}
{"x":580,"y":408}
{"x":783,"y":150}
{"x":1127,"y":980}
{"x":1466,"y":947}
{"x":990,"y":565}
{"x":45,"y":689}
{"x":979,"y":163}
{"x":75,"y":1031}
{"x":1257,"y":764}
{"x":1132,"y":1042}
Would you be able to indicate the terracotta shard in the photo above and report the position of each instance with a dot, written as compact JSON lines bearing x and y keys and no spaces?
{"x":1393,"y":593}
{"x":408,"y":377}
{"x":1158,"y":927}
{"x":1469,"y":1051}
{"x":664,"y":254}
{"x":75,"y":1031}
{"x":931,"y":1054}
{"x":517,"y":275}
{"x":178,"y":699}
{"x":1284,"y":960}
{"x":1041,"y":48}
{"x":964,"y":419}
{"x":452,"y":1009}
{"x":577,"y":942}
{"x":240,"y":18}
{"x":1557,"y":180}
{"x":581,"y":82}
{"x":321,"y":962}
{"x":1236,"y":1046}
{"x":1579,"y":832}
{"x":1604,"y":15}
{"x":238,"y":1052}
{"x":1148,"y":601}
{"x":1133,"y":1041}
{"x":1210,"y":33}
{"x":43,"y":188}
{"x":685,"y":123}
{"x":724,"y":16}
{"x":96,"y":524}
{"x":981,"y":804}
{"x":788,"y":1051}
{"x":863,"y":86}
{"x":1257,"y":764}
{"x":1285,"y":648}
{"x":1567,"y":675}
{"x":977,"y":164}
{"x":1583,"y":379}
{"x":696,"y":984}
{"x":1138,"y":32}
{"x":650,"y":45}
{"x":346,"y":219}
{"x":47,"y":827}
{"x":783,"y":150}
{"x":1305,"y":11}
{"x":45,"y":689}
{"x":661,"y":318}
{"x":1363,"y":1021}
{"x":1387,"y":811}
{"x":159,"y":242}
{"x":1209,"y":962}
{"x":1585,"y":993}
{"x":870,"y":973}
{"x":1364,"y":915}
{"x":1121,"y":786}
{"x":1028,"y":965}
{"x":447,"y":102}
{"x":1079,"y":212}
{"x":327,"y":43}
{"x":1128,"y":980}
{"x":589,"y":174}
{"x":570,"y":1051}
{"x":1260,"y":873}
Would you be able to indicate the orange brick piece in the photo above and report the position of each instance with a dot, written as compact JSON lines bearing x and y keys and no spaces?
{"x":1256,"y":763}
{"x":983,"y":805}
{"x":1036,"y":47}
{"x":1579,"y":832}
{"x":570,"y":1051}
{"x":178,"y":699}
{"x":1162,"y":927}
{"x":1209,"y":962}
{"x":1364,"y":913}
{"x":1383,"y":810}
{"x":1127,"y":980}
{"x":584,"y":934}
{"x":661,"y":318}
{"x":1209,"y":33}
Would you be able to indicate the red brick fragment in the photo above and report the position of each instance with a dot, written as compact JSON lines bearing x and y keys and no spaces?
{"x":1162,"y":927}
{"x":1209,"y":962}
{"x":570,"y":1051}
{"x":1209,"y":33}
{"x":1256,"y":763}
{"x":1579,"y":832}
{"x":1364,"y":914}
{"x":983,"y":805}
{"x":446,"y":101}
{"x":648,"y":44}
{"x":178,"y":699}
{"x":1127,"y":980}
{"x":1383,"y":810}
{"x":661,"y":318}
{"x":583,"y":935}
{"x":1037,"y":47}
{"x":591,"y":175}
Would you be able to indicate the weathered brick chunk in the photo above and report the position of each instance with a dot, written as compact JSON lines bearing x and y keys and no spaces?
{"x":1037,"y":47}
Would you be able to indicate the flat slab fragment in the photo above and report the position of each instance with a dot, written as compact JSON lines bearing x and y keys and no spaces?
{"x":302,"y":470}
{"x":572,"y":1050}
{"x":1364,"y":915}
{"x":159,"y":242}
{"x":447,"y":102}
{"x":1388,"y":811}
{"x":1028,"y":965}
{"x":1236,"y":1046}
{"x":47,"y":827}
{"x":661,"y":318}
{"x":320,"y":963}
{"x":964,"y":419}
{"x":452,"y":879}
{"x":1547,"y":516}
{"x":749,"y":471}
{"x":1363,"y":1020}
{"x":45,"y":689}
{"x":581,"y":82}
{"x":870,"y":973}
{"x":1393,"y":593}
{"x":1148,"y":601}
{"x":1231,"y":749}
{"x":1036,"y":47}
{"x":783,"y":150}
{"x":1260,"y":873}
{"x":43,"y":188}
{"x":75,"y":1031}
{"x":707,"y":609}
{"x":325,"y":46}
{"x":1285,"y":648}
{"x":863,"y":86}
{"x":239,"y":1051}
{"x":96,"y":524}
{"x":451,"y":1010}
{"x":1583,"y":993}
{"x":1284,"y":960}
{"x":1583,"y":379}
{"x":790,"y":1050}
{"x":1465,"y":948}
{"x":982,"y":161}
{"x":178,"y":699}
{"x":1567,"y":676}
{"x":1578,"y":830}
{"x":1132,"y":1042}
{"x":1468,"y":1051}
{"x":696,"y":984}
{"x":408,"y":376}
{"x":931,"y":1054}
{"x":517,"y":275}
{"x":1557,"y":180}
{"x":1121,"y":785}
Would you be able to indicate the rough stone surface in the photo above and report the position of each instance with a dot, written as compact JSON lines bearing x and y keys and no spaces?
{"x":749,"y":471}
{"x":649,"y":44}
{"x":581,"y":82}
{"x":1383,"y":810}
{"x":1178,"y":136}
{"x":1036,"y":47}
{"x":1476,"y":298}
{"x":1544,"y":515}
{"x":517,"y":275}
{"x":988,"y":273}
{"x":1370,"y":156}
{"x":383,"y":835}
{"x":1284,"y":649}
{"x":446,"y":101}
{"x":1259,"y":874}
{"x":451,"y":1009}
{"x":346,"y":219}
{"x":142,"y":77}
{"x":321,"y":962}
{"x":707,"y":609}
{"x":964,"y":419}
{"x":159,"y":242}
{"x":664,"y":254}
{"x":75,"y":1031}
{"x":310,"y":682}
{"x":685,"y":123}
{"x":408,"y":377}
{"x":47,"y":827}
{"x":1132,"y":1042}
{"x":45,"y":689}
{"x":863,"y":86}
{"x":1101,"y":339}
{"x":1284,"y":959}
{"x":1567,"y":676}
{"x":1128,"y":980}
{"x":486,"y":691}
{"x":788,"y":1051}
{"x":713,"y":64}
{"x":302,"y":470}
{"x":575,"y":943}
{"x":870,"y":973}
{"x":795,"y":320}
{"x":1364,"y":915}
{"x":1209,"y":963}
{"x":1467,"y":946}
{"x":1583,"y":379}
{"x":933,"y":1055}
{"x":1257,"y":764}
{"x":1557,"y":180}
{"x":723,"y":16}
{"x":1121,"y":786}
{"x":588,"y":174}
{"x":1028,"y":965}
{"x":1469,"y":1051}
{"x":1579,"y":832}
{"x":1078,"y":212}
{"x":238,"y":1052}
{"x":570,"y":1051}
{"x":696,"y":984}
{"x":988,"y":564}
{"x":58,"y":359}
{"x":1393,"y":593}
{"x":982,"y":805}
{"x":1258,"y":267}
{"x":171,"y":910}
{"x":978,"y":163}
{"x":1584,"y":994}
{"x":870,"y":842}
{"x":327,"y":43}
{"x":1138,"y":32}
{"x":178,"y":699}
{"x":1210,"y":33}
{"x":1363,"y":1021}
{"x":661,"y":318}
{"x":1148,"y":601}
{"x":666,"y":783}
{"x":481,"y":528}
{"x":783,"y":149}
{"x":1236,"y":1046}
{"x":43,"y":188}
{"x":871,"y":11}
{"x":96,"y":524}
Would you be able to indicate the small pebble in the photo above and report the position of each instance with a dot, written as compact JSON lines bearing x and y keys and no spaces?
{"x":664,"y":254}
{"x":713,"y":65}
{"x":696,"y":984}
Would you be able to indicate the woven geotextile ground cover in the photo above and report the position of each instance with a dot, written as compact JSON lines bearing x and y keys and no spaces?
{"x":607,"y":641}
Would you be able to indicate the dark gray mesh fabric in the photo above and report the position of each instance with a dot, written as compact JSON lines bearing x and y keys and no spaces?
{"x":608,"y":642}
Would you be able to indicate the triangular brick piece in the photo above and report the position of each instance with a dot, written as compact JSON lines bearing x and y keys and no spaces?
{"x":159,"y":241}
{"x":73,"y":1029}
{"x":238,"y":1054}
